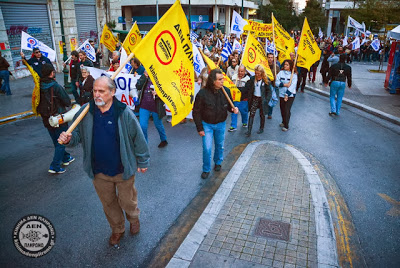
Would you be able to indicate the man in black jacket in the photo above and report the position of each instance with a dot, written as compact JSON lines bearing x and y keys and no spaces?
{"x":338,"y":73}
{"x":74,"y":72}
{"x":54,"y":100}
{"x":209,"y":114}
{"x":37,"y":61}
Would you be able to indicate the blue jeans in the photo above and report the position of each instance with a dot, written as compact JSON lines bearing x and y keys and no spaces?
{"x":144,"y":116}
{"x":74,"y":90}
{"x":337,"y":88}
{"x":216,"y":132}
{"x":243,"y":107}
{"x":5,"y":75}
{"x":60,"y":154}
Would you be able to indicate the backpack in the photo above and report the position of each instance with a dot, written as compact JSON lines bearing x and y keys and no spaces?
{"x":47,"y":107}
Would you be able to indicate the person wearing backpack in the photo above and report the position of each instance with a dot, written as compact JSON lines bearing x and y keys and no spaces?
{"x":338,"y":73}
{"x":54,"y":100}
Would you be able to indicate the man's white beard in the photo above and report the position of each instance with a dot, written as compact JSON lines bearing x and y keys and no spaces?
{"x":99,"y":102}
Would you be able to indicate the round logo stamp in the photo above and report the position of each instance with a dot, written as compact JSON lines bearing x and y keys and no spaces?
{"x":106,"y":36}
{"x":165,"y":47}
{"x":34,"y":236}
{"x":132,"y":39}
{"x":252,"y":55}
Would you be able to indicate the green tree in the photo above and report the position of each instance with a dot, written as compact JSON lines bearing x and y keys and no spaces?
{"x":283,"y":11}
{"x":315,"y":16}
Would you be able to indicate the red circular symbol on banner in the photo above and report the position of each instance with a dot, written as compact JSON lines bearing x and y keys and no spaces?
{"x":132,"y":39}
{"x":165,"y":47}
{"x":251,"y":55}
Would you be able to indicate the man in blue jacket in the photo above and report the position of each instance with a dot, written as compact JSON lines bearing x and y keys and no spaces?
{"x":37,"y":61}
{"x":114,"y":148}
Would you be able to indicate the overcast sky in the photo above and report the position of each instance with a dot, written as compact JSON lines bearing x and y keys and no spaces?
{"x":302,"y":3}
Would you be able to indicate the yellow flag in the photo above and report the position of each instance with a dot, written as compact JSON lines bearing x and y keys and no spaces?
{"x":36,"y":89}
{"x":235,"y":92}
{"x":108,"y":39}
{"x":166,"y":53}
{"x":283,"y":41}
{"x":132,"y":39}
{"x":308,"y":49}
{"x":259,"y":29}
{"x":254,"y":54}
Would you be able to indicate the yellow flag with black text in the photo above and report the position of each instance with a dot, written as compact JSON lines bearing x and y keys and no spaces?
{"x":259,"y":29}
{"x":108,"y":39}
{"x":132,"y":39}
{"x":235,"y":92}
{"x":167,"y":55}
{"x":283,"y":41}
{"x":254,"y":54}
{"x":308,"y":49}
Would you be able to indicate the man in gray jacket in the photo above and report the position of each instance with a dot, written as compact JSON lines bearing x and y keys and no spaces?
{"x":114,"y":148}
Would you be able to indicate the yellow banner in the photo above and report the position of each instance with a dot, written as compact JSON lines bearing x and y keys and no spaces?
{"x":132,"y":39}
{"x":308,"y":49}
{"x":235,"y":92}
{"x":73,"y":43}
{"x":283,"y":41}
{"x":254,"y":54}
{"x":259,"y":29}
{"x":108,"y":39}
{"x":167,"y":55}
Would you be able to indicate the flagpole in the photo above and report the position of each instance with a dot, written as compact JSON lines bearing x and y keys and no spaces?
{"x":223,"y":90}
{"x":84,"y":111}
{"x":273,"y":40}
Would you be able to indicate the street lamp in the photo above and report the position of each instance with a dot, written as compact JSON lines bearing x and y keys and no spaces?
{"x":67,"y":85}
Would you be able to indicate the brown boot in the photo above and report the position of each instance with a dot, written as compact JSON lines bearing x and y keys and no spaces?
{"x":115,"y":238}
{"x":135,"y":226}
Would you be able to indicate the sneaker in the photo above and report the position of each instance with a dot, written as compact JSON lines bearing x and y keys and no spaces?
{"x":332,"y":114}
{"x":231,"y":129}
{"x":244,"y":125}
{"x":163,"y":144}
{"x":204,"y":175}
{"x":58,"y":171}
{"x":281,"y":125}
{"x":217,"y":168}
{"x":269,"y":117}
{"x":284,"y":129}
{"x":70,"y":160}
{"x":260,"y":131}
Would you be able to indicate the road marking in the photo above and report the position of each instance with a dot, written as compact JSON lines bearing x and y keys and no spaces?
{"x":14,"y":117}
{"x":395,"y":210}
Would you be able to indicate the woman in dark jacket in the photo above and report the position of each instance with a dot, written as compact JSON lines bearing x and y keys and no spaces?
{"x":324,"y":66}
{"x":150,"y":104}
{"x":259,"y":94}
{"x":86,"y":86}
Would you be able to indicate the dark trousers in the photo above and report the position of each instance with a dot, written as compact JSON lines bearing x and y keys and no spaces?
{"x":60,"y":155}
{"x":301,"y":79}
{"x":312,"y":73}
{"x":285,"y":110}
{"x":257,"y":104}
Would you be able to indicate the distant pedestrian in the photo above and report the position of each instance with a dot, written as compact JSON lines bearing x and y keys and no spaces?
{"x":37,"y":61}
{"x":338,"y":73}
{"x":114,"y":148}
{"x":99,"y":55}
{"x":54,"y":100}
{"x":5,"y":75}
{"x":150,"y":104}
{"x":86,"y":86}
{"x":74,"y":73}
{"x":324,"y":67}
{"x":209,"y":114}
{"x":287,"y":91}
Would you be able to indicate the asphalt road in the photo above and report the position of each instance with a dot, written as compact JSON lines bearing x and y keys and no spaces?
{"x":359,"y":151}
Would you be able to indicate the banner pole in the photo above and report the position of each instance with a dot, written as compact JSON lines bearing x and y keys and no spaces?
{"x":84,"y":111}
{"x":273,"y":40}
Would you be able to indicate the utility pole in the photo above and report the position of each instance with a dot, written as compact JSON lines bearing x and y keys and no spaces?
{"x":67,"y":85}
{"x":242,"y":10}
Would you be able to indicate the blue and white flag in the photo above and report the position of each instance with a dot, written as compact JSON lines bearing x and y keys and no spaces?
{"x":355,"y":44}
{"x":355,"y":24}
{"x":367,"y":33}
{"x":270,"y":47}
{"x":193,"y":36}
{"x":320,"y":33}
{"x":128,"y":67}
{"x":29,"y":43}
{"x":345,"y":42}
{"x":376,"y":44}
{"x":237,"y":46}
{"x":226,"y":51}
{"x":198,"y":61}
{"x":218,"y":44}
{"x":238,"y":24}
{"x":89,"y":50}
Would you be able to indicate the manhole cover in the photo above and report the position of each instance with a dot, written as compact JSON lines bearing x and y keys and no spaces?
{"x":273,"y":229}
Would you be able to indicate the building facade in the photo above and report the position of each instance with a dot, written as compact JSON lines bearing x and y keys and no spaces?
{"x":336,"y":22}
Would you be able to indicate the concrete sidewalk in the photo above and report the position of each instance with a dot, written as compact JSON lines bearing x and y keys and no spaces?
{"x":270,"y":211}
